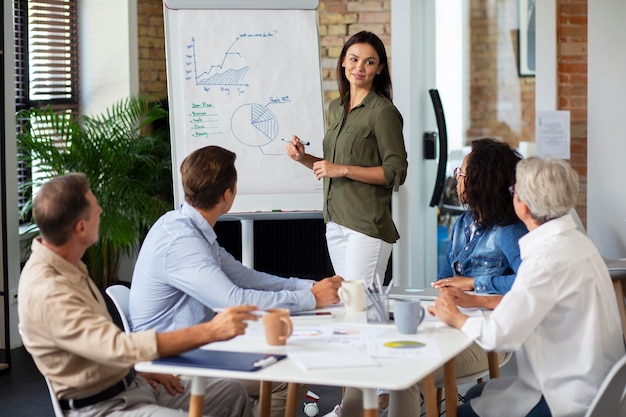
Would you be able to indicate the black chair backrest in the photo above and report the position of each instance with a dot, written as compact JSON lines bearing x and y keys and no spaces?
{"x":115,"y":315}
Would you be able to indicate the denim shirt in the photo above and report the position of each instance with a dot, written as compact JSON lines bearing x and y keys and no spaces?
{"x":491,"y":256}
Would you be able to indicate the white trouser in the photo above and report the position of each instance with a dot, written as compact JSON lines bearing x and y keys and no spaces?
{"x":356,"y":256}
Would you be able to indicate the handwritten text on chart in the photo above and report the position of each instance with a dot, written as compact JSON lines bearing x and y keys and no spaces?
{"x":203,"y":120}
{"x":258,"y":34}
{"x":283,"y":99}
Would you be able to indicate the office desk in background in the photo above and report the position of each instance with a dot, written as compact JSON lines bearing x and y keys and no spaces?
{"x":392,"y":373}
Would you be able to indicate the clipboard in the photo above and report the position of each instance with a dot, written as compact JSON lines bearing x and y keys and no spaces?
{"x":217,"y":359}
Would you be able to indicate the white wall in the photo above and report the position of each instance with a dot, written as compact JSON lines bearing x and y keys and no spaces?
{"x":606,"y":133}
{"x":452,"y":56}
{"x":10,"y":172}
{"x":108,"y":53}
{"x":545,"y":56}
{"x":109,"y":62}
{"x":413,"y":73}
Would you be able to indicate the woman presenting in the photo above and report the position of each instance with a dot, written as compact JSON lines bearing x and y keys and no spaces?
{"x":364,"y":161}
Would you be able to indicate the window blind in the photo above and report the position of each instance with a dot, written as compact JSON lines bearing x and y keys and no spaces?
{"x":46,"y":55}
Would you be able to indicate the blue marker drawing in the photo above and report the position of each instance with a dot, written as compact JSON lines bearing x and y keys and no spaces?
{"x":255,"y":125}
{"x":225,"y":74}
{"x":229,"y":73}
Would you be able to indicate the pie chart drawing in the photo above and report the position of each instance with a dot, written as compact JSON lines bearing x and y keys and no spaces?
{"x":254,"y":125}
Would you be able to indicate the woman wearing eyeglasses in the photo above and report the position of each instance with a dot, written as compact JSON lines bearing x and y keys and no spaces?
{"x":483,"y":253}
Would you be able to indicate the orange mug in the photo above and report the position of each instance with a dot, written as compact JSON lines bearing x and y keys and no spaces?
{"x":278,"y":326}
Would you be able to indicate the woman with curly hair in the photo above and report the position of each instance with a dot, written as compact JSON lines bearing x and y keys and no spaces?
{"x":483,"y":253}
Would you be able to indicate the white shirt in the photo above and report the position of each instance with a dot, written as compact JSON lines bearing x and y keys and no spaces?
{"x":561,"y":319}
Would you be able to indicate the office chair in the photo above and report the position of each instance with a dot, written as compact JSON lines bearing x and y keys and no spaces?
{"x":58,"y":412}
{"x":56,"y":407}
{"x":610,"y":400}
{"x":119,"y":294}
{"x":617,"y":270}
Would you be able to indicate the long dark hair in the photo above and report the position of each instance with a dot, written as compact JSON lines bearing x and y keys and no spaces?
{"x":382,"y":81}
{"x":489,"y":173}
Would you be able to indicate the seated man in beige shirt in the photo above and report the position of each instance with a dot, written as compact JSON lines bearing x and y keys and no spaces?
{"x":69,"y":333}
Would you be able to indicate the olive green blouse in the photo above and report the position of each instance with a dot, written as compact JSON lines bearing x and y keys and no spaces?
{"x":370,"y":135}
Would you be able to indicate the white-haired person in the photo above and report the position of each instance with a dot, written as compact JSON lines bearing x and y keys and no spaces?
{"x":560,"y":316}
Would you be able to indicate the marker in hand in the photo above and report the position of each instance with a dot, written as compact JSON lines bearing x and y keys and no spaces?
{"x":299,"y":140}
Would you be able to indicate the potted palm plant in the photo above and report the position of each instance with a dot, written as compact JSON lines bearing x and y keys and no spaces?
{"x":126,"y":160}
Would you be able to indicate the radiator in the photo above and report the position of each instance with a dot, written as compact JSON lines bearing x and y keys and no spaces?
{"x":288,"y":248}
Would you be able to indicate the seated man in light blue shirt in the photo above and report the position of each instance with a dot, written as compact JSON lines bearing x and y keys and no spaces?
{"x":182,"y":272}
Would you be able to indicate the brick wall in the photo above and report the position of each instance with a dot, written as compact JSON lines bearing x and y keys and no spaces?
{"x":572,"y":85}
{"x":151,"y":42}
{"x":502,"y":104}
{"x":338,"y":20}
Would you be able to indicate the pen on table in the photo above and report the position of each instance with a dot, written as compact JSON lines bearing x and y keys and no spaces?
{"x":253,"y":312}
{"x":303,"y":143}
{"x":266,"y":361}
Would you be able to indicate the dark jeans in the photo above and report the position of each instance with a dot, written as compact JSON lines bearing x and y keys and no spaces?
{"x":465,"y":409}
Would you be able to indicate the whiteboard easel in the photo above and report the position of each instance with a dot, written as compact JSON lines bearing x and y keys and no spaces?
{"x":246,"y":75}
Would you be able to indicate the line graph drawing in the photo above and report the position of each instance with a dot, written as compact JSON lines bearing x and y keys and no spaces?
{"x":221,"y":74}
{"x":229,"y":72}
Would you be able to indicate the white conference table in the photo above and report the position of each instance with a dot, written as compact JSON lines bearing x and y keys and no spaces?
{"x":392,"y":373}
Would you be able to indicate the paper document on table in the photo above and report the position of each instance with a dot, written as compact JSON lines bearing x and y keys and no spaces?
{"x":334,"y":357}
{"x":404,"y":348}
{"x":332,"y":333}
{"x":353,"y":333}
{"x":310,"y":334}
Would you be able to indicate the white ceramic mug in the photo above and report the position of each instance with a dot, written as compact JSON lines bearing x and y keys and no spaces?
{"x":352,"y":293}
